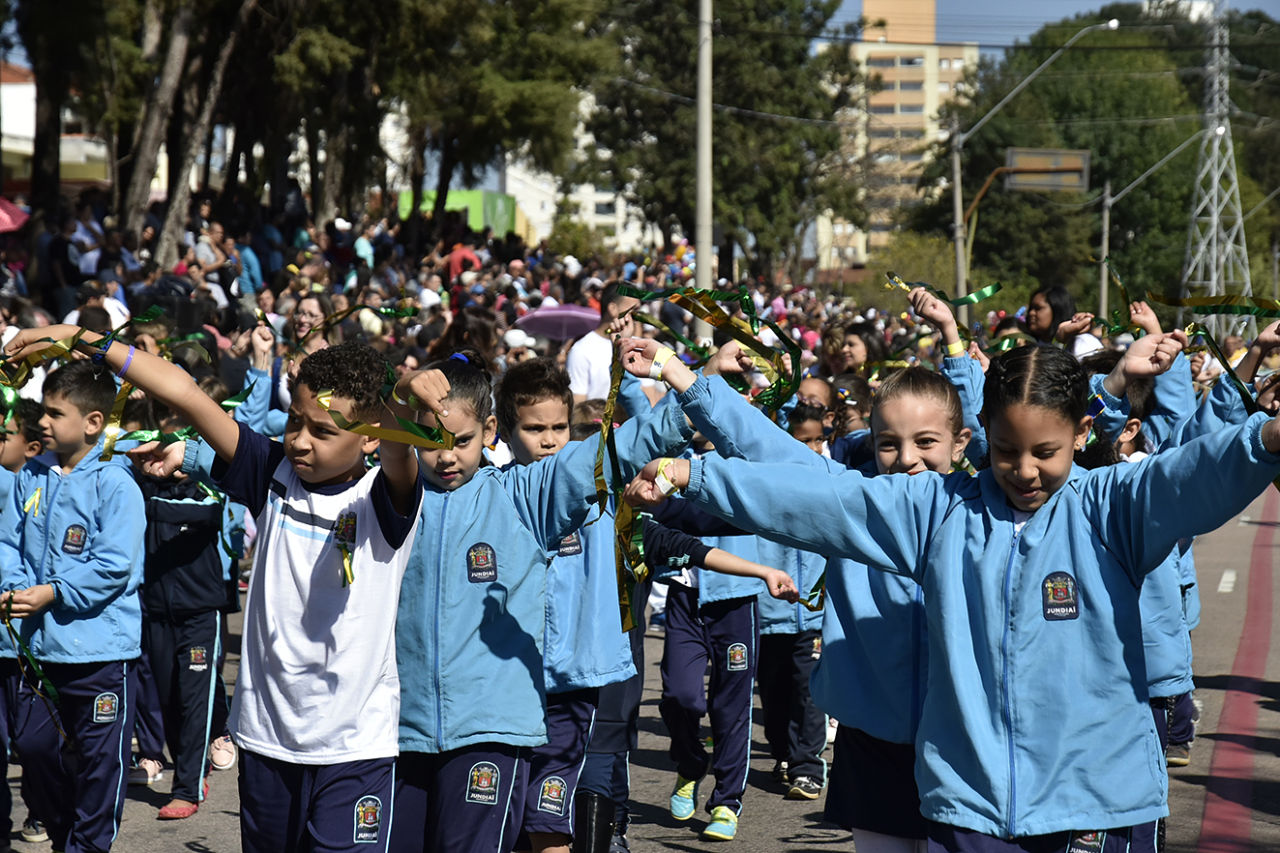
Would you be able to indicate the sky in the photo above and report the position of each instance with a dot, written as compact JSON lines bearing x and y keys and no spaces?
{"x":993,"y":26}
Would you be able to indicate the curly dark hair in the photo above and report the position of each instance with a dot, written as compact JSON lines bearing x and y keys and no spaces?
{"x":351,"y":370}
{"x":528,"y":383}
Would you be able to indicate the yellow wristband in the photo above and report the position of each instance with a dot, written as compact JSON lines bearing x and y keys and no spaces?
{"x":665,"y":486}
{"x":954,"y":349}
{"x":660,"y":359}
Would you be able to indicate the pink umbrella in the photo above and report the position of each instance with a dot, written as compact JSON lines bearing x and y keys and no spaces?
{"x":12,"y":217}
{"x":560,"y":322}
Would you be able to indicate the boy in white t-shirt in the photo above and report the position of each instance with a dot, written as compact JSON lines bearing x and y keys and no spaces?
{"x":317,"y":704}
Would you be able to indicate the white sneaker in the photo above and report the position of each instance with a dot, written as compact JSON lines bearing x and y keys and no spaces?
{"x":148,"y":771}
{"x":222,"y":753}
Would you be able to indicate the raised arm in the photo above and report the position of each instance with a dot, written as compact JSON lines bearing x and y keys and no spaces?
{"x":733,"y":425}
{"x":1142,"y":510}
{"x":554,"y":496}
{"x":164,"y":381}
{"x":881,"y":521}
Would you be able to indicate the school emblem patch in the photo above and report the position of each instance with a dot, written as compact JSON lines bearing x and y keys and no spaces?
{"x":482,"y":783}
{"x":552,"y":796}
{"x":737,"y":657}
{"x":73,"y":539}
{"x":344,"y":529}
{"x":1059,"y":597}
{"x":106,"y":707}
{"x":570,"y":546}
{"x":199,"y":662}
{"x":368,"y":820}
{"x":482,"y":563}
{"x":1087,"y":842}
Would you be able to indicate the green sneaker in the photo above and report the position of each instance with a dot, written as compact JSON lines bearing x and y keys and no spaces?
{"x":723,"y":826}
{"x":684,"y":798}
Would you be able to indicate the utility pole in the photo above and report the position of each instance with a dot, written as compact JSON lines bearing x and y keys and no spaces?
{"x":1217,"y":259}
{"x":702,"y":225}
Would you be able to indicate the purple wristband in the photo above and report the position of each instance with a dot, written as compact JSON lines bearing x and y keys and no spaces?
{"x":124,"y":368}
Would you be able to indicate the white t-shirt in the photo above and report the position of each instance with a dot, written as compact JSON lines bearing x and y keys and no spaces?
{"x":318,"y":682}
{"x":588,"y":365}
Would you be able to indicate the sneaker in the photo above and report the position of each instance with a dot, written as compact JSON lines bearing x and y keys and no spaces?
{"x":658,"y":623}
{"x":33,"y":831}
{"x":804,"y":788}
{"x":618,"y":844}
{"x":684,"y":798}
{"x":222,"y":753}
{"x":723,"y":826}
{"x":833,"y":726}
{"x":780,"y":773}
{"x":1177,"y":754}
{"x":178,"y":810}
{"x":147,"y":771}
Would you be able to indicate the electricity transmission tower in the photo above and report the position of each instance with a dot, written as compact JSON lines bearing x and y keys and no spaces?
{"x":1217,"y":260}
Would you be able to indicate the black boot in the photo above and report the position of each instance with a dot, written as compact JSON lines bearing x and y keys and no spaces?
{"x":592,"y":823}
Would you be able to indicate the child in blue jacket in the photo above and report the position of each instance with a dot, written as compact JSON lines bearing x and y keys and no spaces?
{"x":472,"y":617}
{"x":871,"y":671}
{"x":70,"y":565}
{"x":1031,"y":574}
{"x":19,"y":444}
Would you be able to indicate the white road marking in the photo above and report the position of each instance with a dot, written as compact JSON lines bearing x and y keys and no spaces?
{"x":1228,"y":582}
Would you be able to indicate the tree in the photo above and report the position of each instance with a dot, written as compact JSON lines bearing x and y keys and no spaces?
{"x":155,"y":117}
{"x":778,"y":152}
{"x":180,"y":193}
{"x":57,"y":38}
{"x":499,"y":79}
{"x":1129,"y":97}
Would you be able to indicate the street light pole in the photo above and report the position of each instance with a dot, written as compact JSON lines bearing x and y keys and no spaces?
{"x":702,"y":225}
{"x":1108,"y":201}
{"x":958,"y":139}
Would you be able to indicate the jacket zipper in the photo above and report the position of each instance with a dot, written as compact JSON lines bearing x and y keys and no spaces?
{"x":916,"y":615}
{"x":435,"y":624}
{"x":1004,"y":679}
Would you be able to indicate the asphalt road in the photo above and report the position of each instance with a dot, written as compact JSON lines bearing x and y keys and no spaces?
{"x":1227,"y":800}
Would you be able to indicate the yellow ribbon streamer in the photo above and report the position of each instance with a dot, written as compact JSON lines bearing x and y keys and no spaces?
{"x":113,"y":431}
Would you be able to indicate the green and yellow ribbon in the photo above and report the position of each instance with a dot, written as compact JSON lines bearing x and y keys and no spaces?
{"x":409,"y":433}
{"x":896,"y":282}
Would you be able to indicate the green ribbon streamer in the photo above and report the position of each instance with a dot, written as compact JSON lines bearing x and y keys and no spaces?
{"x":702,"y":303}
{"x":231,"y":403}
{"x":1233,"y":304}
{"x":50,"y":692}
{"x":968,"y":299}
{"x":699,"y":351}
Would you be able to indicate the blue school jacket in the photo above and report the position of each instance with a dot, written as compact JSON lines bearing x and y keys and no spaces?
{"x":472,"y":617}
{"x":805,"y":567}
{"x":82,"y":532}
{"x":871,"y":673}
{"x":1036,"y":718}
{"x":585,"y":645}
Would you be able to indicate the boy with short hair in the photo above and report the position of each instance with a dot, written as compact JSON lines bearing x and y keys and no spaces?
{"x":316,"y":708}
{"x":70,"y":569}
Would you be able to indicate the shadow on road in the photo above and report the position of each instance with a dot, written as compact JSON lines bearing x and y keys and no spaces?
{"x":1262,"y":795}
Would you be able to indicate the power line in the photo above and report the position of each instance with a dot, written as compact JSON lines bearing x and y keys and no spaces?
{"x":731,"y":109}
